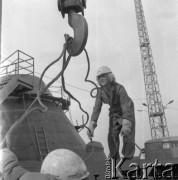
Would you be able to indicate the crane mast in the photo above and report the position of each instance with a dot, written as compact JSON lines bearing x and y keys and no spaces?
{"x":157,"y":118}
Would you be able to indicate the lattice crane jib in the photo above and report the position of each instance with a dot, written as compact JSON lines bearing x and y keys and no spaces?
{"x":157,"y":118}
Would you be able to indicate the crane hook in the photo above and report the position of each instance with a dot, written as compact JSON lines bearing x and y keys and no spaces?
{"x":77,"y":22}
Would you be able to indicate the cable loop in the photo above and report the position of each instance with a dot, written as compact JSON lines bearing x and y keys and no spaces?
{"x":91,"y":92}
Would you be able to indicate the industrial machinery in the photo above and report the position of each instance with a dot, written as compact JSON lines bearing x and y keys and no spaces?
{"x":159,"y":157}
{"x":161,"y":153}
{"x":33,"y":122}
{"x":157,"y":118}
{"x":39,"y":132}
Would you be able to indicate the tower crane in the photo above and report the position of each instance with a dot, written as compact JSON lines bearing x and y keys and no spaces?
{"x":157,"y":118}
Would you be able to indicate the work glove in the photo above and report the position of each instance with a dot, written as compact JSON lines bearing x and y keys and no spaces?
{"x":126,"y":127}
{"x":91,"y":129}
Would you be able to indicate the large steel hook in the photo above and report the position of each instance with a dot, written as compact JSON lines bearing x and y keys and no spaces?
{"x":77,"y":22}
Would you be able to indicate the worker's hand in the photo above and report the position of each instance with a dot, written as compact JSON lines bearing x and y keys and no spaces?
{"x":126,"y":127}
{"x":91,"y":129}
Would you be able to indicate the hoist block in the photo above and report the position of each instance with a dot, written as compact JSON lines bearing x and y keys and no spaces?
{"x":65,"y":6}
{"x":77,"y":22}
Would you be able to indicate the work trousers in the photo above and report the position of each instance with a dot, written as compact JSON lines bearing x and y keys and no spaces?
{"x":128,"y":148}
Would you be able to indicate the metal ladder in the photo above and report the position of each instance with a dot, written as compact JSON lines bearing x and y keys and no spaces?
{"x":41,"y":142}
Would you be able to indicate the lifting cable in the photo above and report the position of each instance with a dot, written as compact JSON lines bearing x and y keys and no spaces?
{"x":72,"y":97}
{"x":68,"y":93}
{"x":86,"y":78}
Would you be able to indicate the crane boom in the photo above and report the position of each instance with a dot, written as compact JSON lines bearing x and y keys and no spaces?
{"x":157,"y":118}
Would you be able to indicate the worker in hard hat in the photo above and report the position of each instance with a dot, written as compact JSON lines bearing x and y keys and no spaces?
{"x":60,"y":164}
{"x":121,"y":114}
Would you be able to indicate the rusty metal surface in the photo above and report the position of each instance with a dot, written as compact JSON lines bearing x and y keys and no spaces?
{"x":59,"y":132}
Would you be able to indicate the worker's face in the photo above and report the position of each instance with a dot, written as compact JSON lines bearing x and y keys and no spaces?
{"x":103,"y":79}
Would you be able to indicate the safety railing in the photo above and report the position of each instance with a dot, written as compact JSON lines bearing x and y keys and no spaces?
{"x":23,"y":64}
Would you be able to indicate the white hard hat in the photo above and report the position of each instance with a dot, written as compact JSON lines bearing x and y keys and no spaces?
{"x":64,"y":164}
{"x":103,"y":70}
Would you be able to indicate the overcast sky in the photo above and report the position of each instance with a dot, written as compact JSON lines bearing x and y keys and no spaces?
{"x":37,"y":28}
